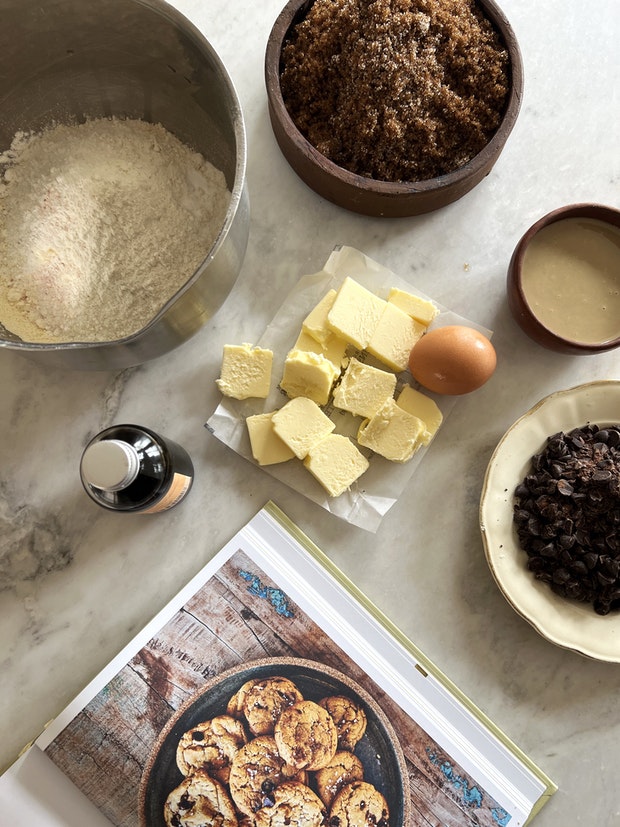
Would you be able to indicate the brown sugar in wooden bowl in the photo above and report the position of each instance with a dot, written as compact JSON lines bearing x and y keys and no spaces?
{"x":581,"y":233}
{"x":378,"y":196}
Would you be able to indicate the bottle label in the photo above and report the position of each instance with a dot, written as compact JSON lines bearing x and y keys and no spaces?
{"x":179,"y":487}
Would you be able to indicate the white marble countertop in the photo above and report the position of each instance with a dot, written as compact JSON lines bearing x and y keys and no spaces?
{"x":77,"y":582}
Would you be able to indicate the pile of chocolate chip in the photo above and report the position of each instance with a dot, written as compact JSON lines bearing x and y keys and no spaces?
{"x":567,"y":513}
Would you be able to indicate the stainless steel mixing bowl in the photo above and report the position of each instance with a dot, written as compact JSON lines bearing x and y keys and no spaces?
{"x":69,"y":60}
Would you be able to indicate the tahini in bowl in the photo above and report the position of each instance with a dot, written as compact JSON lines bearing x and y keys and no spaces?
{"x":563,"y":280}
{"x":370,"y":196}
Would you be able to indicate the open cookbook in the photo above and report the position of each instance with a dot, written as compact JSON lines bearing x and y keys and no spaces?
{"x":204,"y":718}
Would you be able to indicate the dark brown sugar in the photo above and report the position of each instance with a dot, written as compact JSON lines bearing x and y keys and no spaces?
{"x":396,"y":90}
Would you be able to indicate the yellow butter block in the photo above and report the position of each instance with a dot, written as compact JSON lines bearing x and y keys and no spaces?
{"x":363,"y":389}
{"x":308,"y":374}
{"x":420,"y":405}
{"x":315,"y":323}
{"x":355,"y":313}
{"x":394,"y":337}
{"x":333,"y":348}
{"x":420,"y":309}
{"x":392,"y":432}
{"x":267,"y":447}
{"x":336,"y":463}
{"x":245,"y":372}
{"x":301,"y":424}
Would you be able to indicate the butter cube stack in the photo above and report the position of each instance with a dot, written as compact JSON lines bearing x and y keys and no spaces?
{"x":245,"y":372}
{"x":363,"y":389}
{"x":301,"y":429}
{"x":392,"y":432}
{"x":300,"y":424}
{"x":267,"y":447}
{"x":387,"y":329}
{"x":308,"y":374}
{"x":318,"y":371}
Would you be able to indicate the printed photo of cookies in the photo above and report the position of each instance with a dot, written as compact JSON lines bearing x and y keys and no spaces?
{"x":349,"y":717}
{"x":293,"y":804}
{"x":344,"y":768}
{"x":266,"y":700}
{"x":257,"y":769}
{"x":211,"y":746}
{"x":359,"y":804}
{"x":280,"y":742}
{"x":306,"y":736}
{"x":198,"y":800}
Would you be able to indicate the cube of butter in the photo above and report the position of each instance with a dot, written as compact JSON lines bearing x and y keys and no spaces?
{"x":301,"y":424}
{"x":355,"y":313}
{"x":267,"y":447}
{"x":332,"y":348}
{"x":308,"y":374}
{"x":363,"y":389}
{"x":245,"y":372}
{"x":394,"y":337}
{"x":420,"y":405}
{"x":336,"y":463}
{"x":420,"y":309}
{"x":315,"y":323}
{"x":392,"y":432}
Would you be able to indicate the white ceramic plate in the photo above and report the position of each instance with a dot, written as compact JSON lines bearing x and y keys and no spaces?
{"x":566,"y":623}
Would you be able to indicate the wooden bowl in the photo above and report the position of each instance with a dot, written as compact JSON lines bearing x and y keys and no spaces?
{"x":366,"y":195}
{"x":517,"y":299}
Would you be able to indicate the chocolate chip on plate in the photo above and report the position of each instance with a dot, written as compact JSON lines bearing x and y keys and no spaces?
{"x":567,"y":515}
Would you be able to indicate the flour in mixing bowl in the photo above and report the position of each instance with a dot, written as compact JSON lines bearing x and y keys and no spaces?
{"x":100,"y":224}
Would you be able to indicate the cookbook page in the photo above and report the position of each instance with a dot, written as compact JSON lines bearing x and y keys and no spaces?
{"x":401,"y":669}
{"x":241,"y":625}
{"x":34,"y":791}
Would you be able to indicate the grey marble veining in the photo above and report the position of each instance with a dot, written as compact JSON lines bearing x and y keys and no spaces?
{"x":76,"y":582}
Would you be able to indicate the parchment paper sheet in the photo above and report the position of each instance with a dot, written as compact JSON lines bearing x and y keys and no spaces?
{"x":376,"y":491}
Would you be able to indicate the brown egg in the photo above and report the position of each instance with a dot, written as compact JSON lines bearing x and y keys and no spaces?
{"x":452,"y":360}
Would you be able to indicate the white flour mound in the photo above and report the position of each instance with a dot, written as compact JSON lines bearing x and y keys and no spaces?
{"x":100,"y":224}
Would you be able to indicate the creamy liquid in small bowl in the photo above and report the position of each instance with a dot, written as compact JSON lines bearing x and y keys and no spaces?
{"x":570,"y":278}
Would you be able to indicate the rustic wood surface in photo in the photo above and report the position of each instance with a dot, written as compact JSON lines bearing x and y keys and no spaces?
{"x":240,"y":615}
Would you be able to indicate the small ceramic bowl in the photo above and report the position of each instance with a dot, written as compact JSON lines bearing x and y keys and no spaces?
{"x":366,"y":195}
{"x":522,"y":308}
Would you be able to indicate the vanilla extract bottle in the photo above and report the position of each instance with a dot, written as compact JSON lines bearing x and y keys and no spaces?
{"x":133,"y":469}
